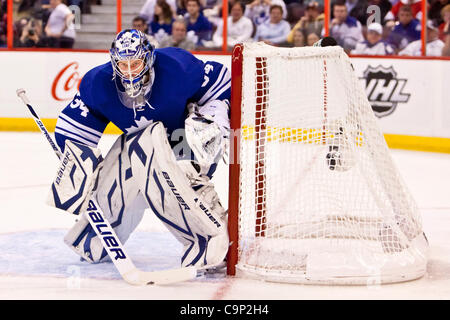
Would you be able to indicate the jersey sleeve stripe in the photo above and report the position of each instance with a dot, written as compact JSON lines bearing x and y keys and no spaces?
{"x":74,"y":137}
{"x":80,"y":126}
{"x":223,"y":77}
{"x":67,"y":126}
{"x":208,"y":92}
{"x":62,"y":130}
{"x":221,"y":90}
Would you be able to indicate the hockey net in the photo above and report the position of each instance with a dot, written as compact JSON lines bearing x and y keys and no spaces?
{"x":314,"y":194}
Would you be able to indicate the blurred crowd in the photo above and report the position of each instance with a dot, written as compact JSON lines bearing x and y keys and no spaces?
{"x":3,"y":23}
{"x":361,"y":27}
{"x":43,"y":23}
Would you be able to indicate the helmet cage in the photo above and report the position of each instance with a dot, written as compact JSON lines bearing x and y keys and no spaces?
{"x":131,"y":45}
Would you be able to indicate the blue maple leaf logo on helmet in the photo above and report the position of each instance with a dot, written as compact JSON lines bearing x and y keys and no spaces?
{"x":128,"y":43}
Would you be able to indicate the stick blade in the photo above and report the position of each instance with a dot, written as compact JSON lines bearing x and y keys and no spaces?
{"x":165,"y":277}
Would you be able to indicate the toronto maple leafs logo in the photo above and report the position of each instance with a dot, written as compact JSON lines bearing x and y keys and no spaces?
{"x":139,"y":125}
{"x":128,"y":41}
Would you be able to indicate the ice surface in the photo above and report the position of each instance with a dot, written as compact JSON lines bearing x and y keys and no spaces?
{"x":36,"y":264}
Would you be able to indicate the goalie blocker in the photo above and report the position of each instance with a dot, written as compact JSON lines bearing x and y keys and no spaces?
{"x":141,"y":171}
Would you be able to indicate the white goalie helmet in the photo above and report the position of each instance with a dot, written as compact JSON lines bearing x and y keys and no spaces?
{"x":132,"y":58}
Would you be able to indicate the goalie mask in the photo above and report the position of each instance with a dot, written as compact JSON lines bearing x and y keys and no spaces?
{"x":132,"y":58}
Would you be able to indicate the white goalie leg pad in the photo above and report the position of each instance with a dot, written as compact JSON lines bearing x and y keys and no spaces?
{"x":201,"y":227}
{"x":118,"y":196}
{"x":82,"y":239}
{"x":75,"y":178}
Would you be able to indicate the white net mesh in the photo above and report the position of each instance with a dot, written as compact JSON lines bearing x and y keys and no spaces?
{"x":320,"y":198}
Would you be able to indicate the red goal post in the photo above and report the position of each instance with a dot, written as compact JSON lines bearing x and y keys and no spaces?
{"x":234,"y":167}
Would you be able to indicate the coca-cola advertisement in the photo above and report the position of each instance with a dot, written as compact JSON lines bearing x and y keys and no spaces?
{"x":66,"y":82}
{"x":50,"y":79}
{"x":66,"y":77}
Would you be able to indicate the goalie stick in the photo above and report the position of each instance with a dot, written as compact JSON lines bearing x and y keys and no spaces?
{"x":108,"y":237}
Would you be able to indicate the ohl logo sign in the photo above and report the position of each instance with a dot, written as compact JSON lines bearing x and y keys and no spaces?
{"x":384,"y":89}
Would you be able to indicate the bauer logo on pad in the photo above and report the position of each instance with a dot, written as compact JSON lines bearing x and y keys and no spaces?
{"x":384,"y":89}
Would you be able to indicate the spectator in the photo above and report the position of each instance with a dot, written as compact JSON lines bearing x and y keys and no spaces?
{"x":298,"y":39}
{"x":42,"y":10}
{"x":295,"y":11}
{"x":345,"y":29}
{"x":181,"y":7}
{"x":435,"y":12}
{"x":3,"y":23}
{"x":406,"y":30}
{"x":179,"y":37}
{"x":446,"y":49}
{"x":140,"y":23}
{"x":312,"y":21}
{"x":214,"y":14}
{"x":312,"y":38}
{"x":44,"y":4}
{"x":22,"y":8}
{"x":275,"y":30}
{"x":209,"y":4}
{"x":18,"y":27}
{"x":161,"y":24}
{"x":32,"y":36}
{"x":384,"y":5}
{"x":350,"y":4}
{"x":354,"y":7}
{"x":416,"y":10}
{"x":60,"y":29}
{"x":259,"y":10}
{"x":434,"y":44}
{"x":148,"y":9}
{"x":445,"y":24}
{"x":197,"y":22}
{"x":374,"y":45}
{"x":240,"y":28}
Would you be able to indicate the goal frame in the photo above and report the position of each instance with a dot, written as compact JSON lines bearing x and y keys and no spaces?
{"x":237,"y":64}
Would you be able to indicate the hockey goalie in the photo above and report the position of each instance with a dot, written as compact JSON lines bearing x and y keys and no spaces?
{"x":173,"y":110}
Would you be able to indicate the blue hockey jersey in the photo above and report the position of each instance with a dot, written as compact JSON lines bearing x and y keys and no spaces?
{"x":180,"y":78}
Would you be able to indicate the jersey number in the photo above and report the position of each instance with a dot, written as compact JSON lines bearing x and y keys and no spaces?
{"x":208,"y":69}
{"x":78,"y":103}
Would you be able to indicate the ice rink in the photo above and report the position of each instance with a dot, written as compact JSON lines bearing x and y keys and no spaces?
{"x":36,"y":264}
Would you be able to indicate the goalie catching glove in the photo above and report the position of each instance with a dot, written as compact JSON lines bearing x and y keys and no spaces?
{"x":207,"y":131}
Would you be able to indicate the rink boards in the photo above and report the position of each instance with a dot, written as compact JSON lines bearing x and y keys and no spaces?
{"x":407,"y":95}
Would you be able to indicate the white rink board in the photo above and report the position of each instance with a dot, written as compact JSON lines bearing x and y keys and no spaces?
{"x":51,"y":79}
{"x":427,"y":112}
